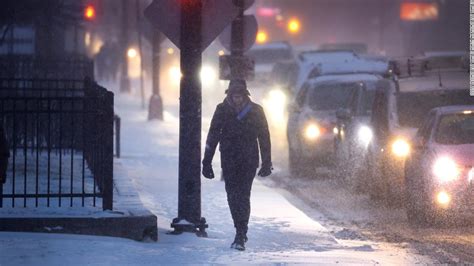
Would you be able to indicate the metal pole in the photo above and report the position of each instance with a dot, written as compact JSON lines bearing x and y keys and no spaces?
{"x":189,"y":202}
{"x":124,"y":80}
{"x":140,"y":51}
{"x":237,"y":31}
{"x":155,"y":108}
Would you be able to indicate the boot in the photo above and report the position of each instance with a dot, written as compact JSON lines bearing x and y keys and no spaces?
{"x":239,"y":242}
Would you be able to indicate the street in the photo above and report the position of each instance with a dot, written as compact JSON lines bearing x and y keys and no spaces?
{"x":283,"y":228}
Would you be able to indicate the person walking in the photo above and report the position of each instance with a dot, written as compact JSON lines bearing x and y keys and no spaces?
{"x":240,"y":127}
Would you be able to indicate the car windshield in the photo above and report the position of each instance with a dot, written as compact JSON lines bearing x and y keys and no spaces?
{"x":414,"y":106}
{"x":455,"y":129}
{"x":368,"y":98}
{"x":330,"y":96}
{"x":266,"y":56}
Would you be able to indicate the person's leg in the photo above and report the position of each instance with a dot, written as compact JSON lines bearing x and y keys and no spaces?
{"x":238,"y":186}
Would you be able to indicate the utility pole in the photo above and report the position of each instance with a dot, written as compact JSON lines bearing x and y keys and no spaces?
{"x":124,"y":79}
{"x":189,"y":202}
{"x":155,"y":107}
{"x":237,"y":31}
{"x":140,"y":51}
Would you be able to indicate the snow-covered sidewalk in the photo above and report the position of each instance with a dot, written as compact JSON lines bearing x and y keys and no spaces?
{"x":278,"y":231}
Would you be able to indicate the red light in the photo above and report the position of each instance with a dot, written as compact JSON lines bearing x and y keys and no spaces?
{"x":268,"y":11}
{"x":419,"y":11}
{"x":89,"y":12}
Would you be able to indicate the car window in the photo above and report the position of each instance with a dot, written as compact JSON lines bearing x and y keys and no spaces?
{"x":330,"y":96}
{"x":425,"y":129}
{"x":413,"y":106}
{"x":301,"y":95}
{"x":266,"y":56}
{"x":367,"y":100}
{"x":379,"y":117}
{"x":455,"y":129}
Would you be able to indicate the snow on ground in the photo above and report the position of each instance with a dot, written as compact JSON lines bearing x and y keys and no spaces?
{"x":279,"y":233}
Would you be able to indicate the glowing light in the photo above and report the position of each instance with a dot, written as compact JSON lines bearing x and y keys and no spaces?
{"x":175,"y":74}
{"x":275,"y":103}
{"x":365,"y":135}
{"x":401,"y":148}
{"x":471,"y":175}
{"x":312,"y":132}
{"x":445,"y":169}
{"x":335,"y":130}
{"x":419,"y":11}
{"x":262,"y":37}
{"x":208,"y":76}
{"x":89,"y":12}
{"x":221,"y":53}
{"x":468,"y":112}
{"x":268,"y":11}
{"x":294,"y":25}
{"x":443,"y":198}
{"x":132,"y":53}
{"x":87,"y":39}
{"x":170,"y":51}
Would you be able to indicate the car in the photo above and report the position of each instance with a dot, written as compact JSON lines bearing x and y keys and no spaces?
{"x":312,"y":118}
{"x":397,"y":113}
{"x":353,"y":131}
{"x":310,"y":64}
{"x":439,"y":172}
{"x":265,"y":56}
{"x":307,"y":61}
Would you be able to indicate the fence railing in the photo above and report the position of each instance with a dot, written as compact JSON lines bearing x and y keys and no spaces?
{"x":60,"y":135}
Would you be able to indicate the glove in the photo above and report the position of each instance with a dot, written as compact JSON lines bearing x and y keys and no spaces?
{"x":265,"y":171}
{"x":207,"y":171}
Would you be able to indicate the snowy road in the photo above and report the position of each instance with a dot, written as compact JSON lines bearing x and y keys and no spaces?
{"x":355,"y":213}
{"x":283,"y":229}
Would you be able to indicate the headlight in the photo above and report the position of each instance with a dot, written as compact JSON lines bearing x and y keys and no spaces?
{"x":400,"y":148}
{"x":175,"y":74}
{"x":365,"y":135}
{"x":445,"y":169}
{"x":443,"y":198}
{"x":275,"y":104}
{"x":312,"y":132}
{"x":208,"y":75}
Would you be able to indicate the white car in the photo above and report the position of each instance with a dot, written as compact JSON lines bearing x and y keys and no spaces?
{"x":439,"y":173}
{"x":312,"y":118}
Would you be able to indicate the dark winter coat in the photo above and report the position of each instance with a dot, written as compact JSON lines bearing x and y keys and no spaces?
{"x":239,"y":134}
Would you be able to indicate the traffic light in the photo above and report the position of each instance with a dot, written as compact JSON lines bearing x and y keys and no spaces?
{"x":294,"y":26}
{"x":89,"y":12}
{"x":262,"y":37}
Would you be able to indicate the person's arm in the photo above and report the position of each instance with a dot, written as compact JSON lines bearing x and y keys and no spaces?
{"x":264,"y":139}
{"x":213,"y":136}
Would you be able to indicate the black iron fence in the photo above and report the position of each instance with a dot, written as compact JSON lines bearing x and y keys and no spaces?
{"x":60,"y":134}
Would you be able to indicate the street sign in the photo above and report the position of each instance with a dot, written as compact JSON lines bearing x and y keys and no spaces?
{"x":250,"y":28}
{"x":236,"y":67}
{"x":216,"y":15}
